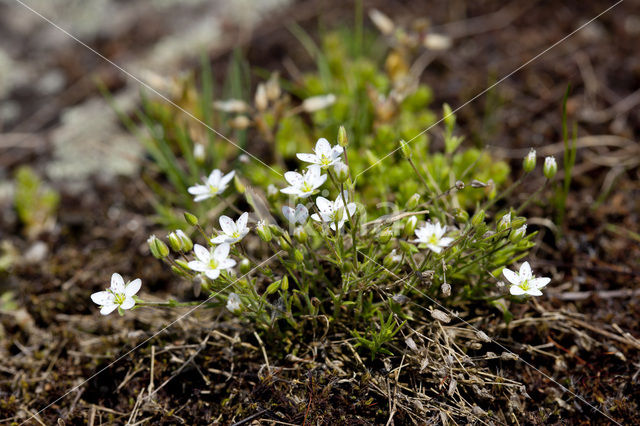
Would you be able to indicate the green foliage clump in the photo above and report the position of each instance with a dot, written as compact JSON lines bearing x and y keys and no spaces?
{"x":35,"y":203}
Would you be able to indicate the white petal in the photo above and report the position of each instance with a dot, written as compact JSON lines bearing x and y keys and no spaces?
{"x":336,"y":151}
{"x":107,"y":309}
{"x":227,"y":224}
{"x":323,"y":147}
{"x":434,"y":248}
{"x":303,"y":194}
{"x":316,"y":217}
{"x":198,"y":190}
{"x":241,"y":224}
{"x":294,"y":178}
{"x":511,"y":276}
{"x":319,"y":181}
{"x":539,"y":282}
{"x":291,"y":190}
{"x":227,"y":178}
{"x":313,"y":172}
{"x":221,"y":252}
{"x":351,"y":208}
{"x":525,"y":271}
{"x":128,"y":303}
{"x":117,"y":283}
{"x":102,"y":298}
{"x":202,"y":197}
{"x":289,"y":214}
{"x":201,"y":253}
{"x":308,"y":158}
{"x":227,"y":263}
{"x":301,"y":214}
{"x":324,"y":205}
{"x":196,"y":265}
{"x":214,"y":177}
{"x":516,"y":291}
{"x":220,"y":239}
{"x":534,"y":292}
{"x":133,"y":287}
{"x":444,"y":242}
{"x":212,"y":273}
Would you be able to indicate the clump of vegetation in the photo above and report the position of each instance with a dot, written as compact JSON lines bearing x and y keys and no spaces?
{"x":35,"y":203}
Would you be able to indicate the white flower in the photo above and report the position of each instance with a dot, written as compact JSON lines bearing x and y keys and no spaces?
{"x":231,"y":105}
{"x":211,"y":263}
{"x":214,"y":185}
{"x":232,"y":232}
{"x":297,"y":215}
{"x":234,"y":303}
{"x":117,"y":296}
{"x":304,"y":185}
{"x":324,"y":155}
{"x":524,"y":282}
{"x":333,"y":211}
{"x":433,"y":236}
{"x":316,"y":103}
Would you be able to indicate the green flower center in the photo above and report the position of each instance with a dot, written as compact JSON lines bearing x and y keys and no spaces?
{"x":306,"y":187}
{"x":213,"y":189}
{"x":119,"y":298}
{"x":235,"y":234}
{"x":213,"y":264}
{"x":325,"y":160}
{"x":433,"y":239}
{"x":525,"y":285}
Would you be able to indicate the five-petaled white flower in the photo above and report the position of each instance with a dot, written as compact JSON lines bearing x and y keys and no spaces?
{"x":297,"y":215}
{"x":432,"y":234}
{"x":303,"y":185}
{"x":524,"y":282}
{"x":211,"y":262}
{"x":333,"y":212}
{"x":214,"y":185}
{"x":324,"y":155}
{"x":232,"y":232}
{"x":234,"y":304}
{"x":117,"y":296}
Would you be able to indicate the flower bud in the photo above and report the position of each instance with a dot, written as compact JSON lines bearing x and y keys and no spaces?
{"x":298,"y":256}
{"x":262,"y":228}
{"x":273,"y":287}
{"x":382,"y":22}
{"x":284,"y":244}
{"x":404,"y":147}
{"x":275,"y":230}
{"x":300,"y":235}
{"x":477,"y":184}
{"x":342,"y":172}
{"x":392,"y":259}
{"x":550,"y":167}
{"x":413,"y":201}
{"x":478,"y":218}
{"x":459,"y":185}
{"x":505,"y":222}
{"x":461,"y":215}
{"x":261,"y":101}
{"x":410,"y":226}
{"x":316,"y":103}
{"x":437,"y":42}
{"x":285,"y":283}
{"x":245,"y":266}
{"x":448,"y":116}
{"x":385,"y":236}
{"x":191,"y":219}
{"x":273,"y":87}
{"x":240,"y":122}
{"x":518,"y":234}
{"x":529,"y":162}
{"x":272,"y":192}
{"x":183,"y":264}
{"x":240,"y":187}
{"x":158,"y":249}
{"x":231,"y":105}
{"x":174,"y":242}
{"x":518,"y":221}
{"x":445,"y":288}
{"x":343,"y":141}
{"x":199,"y":153}
{"x":347,"y":266}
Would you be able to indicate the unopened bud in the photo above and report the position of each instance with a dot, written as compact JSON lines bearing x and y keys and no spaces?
{"x":174,"y":242}
{"x":264,"y":232}
{"x":392,"y":259}
{"x":448,"y":116}
{"x":529,"y":162}
{"x":505,"y":222}
{"x":261,"y":101}
{"x":240,"y":122}
{"x":410,"y":226}
{"x":518,"y":234}
{"x":342,"y":172}
{"x":436,"y":42}
{"x":459,"y":185}
{"x":404,"y":147}
{"x":237,"y":182}
{"x":461,"y":215}
{"x":284,"y":244}
{"x":478,"y":218}
{"x":199,"y":153}
{"x":300,"y":235}
{"x":231,"y":105}
{"x":273,"y":287}
{"x":316,"y":103}
{"x":275,"y":230}
{"x":191,"y":219}
{"x":183,"y":264}
{"x":385,"y":236}
{"x":272,"y":192}
{"x":285,"y":283}
{"x":298,"y":256}
{"x":550,"y":167}
{"x":245,"y":266}
{"x":413,"y":201}
{"x":158,"y":249}
{"x":440,"y":316}
{"x":273,"y":87}
{"x":477,"y":184}
{"x":343,"y":141}
{"x":445,"y":288}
